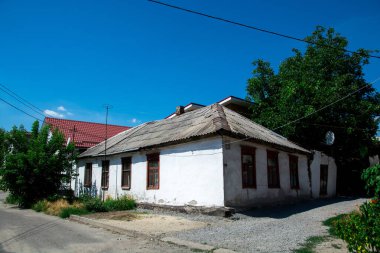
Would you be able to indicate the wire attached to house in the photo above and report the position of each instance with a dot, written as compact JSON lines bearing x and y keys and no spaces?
{"x":258,"y":29}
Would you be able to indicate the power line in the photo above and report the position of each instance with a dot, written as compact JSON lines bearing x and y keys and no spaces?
{"x":62,"y":127}
{"x":18,"y":98}
{"x":320,"y":109}
{"x":328,"y":105}
{"x":21,"y":100}
{"x":341,"y":127}
{"x":20,"y":110}
{"x":256,"y":28}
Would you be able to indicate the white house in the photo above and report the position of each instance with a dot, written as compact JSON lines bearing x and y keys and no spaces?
{"x":211,"y":156}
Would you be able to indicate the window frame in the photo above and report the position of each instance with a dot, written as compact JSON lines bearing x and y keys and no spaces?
{"x":294,"y":159}
{"x":124,"y":161}
{"x":155,"y":157}
{"x":247,"y":150}
{"x":87,"y":180}
{"x":271,"y":155}
{"x":105,"y":174}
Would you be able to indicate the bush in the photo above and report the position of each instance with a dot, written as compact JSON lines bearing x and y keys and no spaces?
{"x":123,"y":203}
{"x":40,"y":206}
{"x":94,"y":204}
{"x":331,"y":223}
{"x":372,"y":178}
{"x":12,"y":199}
{"x":361,"y":230}
{"x":66,"y":212}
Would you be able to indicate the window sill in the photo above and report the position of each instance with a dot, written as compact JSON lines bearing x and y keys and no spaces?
{"x":105,"y":188}
{"x":249,"y":187}
{"x":152,"y":188}
{"x":87,"y":185}
{"x":125,"y":188}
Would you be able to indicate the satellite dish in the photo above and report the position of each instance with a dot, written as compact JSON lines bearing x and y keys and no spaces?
{"x":329,"y":138}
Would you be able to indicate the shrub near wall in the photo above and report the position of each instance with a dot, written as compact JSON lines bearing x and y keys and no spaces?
{"x":85,"y":204}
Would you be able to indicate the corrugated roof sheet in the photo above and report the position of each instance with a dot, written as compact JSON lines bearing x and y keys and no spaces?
{"x":201,"y":122}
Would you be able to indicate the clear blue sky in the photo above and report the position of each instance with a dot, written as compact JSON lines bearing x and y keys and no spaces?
{"x":145,"y":59}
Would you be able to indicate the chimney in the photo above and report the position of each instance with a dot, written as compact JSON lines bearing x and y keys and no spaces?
{"x":179,"y":110}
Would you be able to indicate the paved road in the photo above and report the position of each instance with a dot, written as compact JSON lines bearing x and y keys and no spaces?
{"x":27,"y":231}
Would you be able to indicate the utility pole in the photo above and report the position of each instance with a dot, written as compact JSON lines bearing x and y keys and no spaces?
{"x":107,"y":107}
{"x":76,"y":167}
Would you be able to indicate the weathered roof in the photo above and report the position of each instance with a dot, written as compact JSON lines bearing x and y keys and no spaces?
{"x":84,"y":134}
{"x":200,"y":123}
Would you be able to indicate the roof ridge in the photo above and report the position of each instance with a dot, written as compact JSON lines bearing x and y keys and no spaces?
{"x":220,"y":122}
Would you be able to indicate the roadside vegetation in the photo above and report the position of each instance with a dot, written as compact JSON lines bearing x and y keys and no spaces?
{"x":83,"y":205}
{"x":36,"y":168}
{"x":360,"y":228}
{"x":35,"y":165}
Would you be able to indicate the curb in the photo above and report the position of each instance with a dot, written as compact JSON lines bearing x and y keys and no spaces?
{"x":211,"y":211}
{"x":173,"y":240}
{"x":97,"y":224}
{"x":188,"y":244}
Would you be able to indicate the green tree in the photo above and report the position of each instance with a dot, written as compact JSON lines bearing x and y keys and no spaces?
{"x":2,"y":146}
{"x":36,"y":165}
{"x":310,"y":80}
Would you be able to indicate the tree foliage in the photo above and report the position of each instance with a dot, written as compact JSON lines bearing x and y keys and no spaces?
{"x":36,"y":164}
{"x":310,"y":80}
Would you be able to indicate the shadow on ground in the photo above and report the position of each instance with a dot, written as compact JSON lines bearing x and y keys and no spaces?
{"x":284,"y":211}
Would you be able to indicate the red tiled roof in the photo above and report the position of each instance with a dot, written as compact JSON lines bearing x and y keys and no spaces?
{"x":87,"y":134}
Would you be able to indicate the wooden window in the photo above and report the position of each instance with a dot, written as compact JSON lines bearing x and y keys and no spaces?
{"x":248,"y":167}
{"x":153,"y":165}
{"x":323,"y":183}
{"x":293,"y":167}
{"x":88,"y":175}
{"x":126,"y":164}
{"x":273,"y":172}
{"x":105,"y":174}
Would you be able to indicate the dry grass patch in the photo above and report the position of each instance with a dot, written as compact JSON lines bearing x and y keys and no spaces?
{"x":56,"y":207}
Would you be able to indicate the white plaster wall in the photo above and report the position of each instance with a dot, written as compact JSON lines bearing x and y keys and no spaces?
{"x":235,"y":195}
{"x":315,"y":167}
{"x":190,"y":174}
{"x":373,"y":160}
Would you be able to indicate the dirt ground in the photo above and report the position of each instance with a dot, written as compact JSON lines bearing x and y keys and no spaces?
{"x":150,"y":224}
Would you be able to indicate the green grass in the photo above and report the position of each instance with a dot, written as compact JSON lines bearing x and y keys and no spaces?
{"x":330,"y":222}
{"x":66,"y":212}
{"x":310,"y":244}
{"x":40,"y":206}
